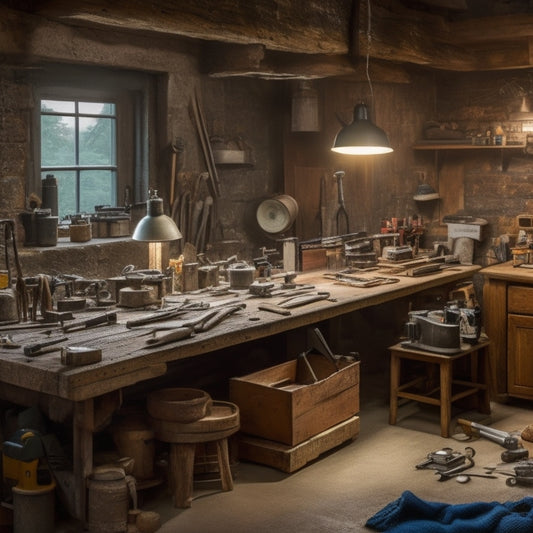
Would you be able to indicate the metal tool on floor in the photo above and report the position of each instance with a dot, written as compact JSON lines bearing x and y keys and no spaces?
{"x":514,"y":451}
{"x":341,"y":214}
{"x":442,"y":459}
{"x":444,"y":475}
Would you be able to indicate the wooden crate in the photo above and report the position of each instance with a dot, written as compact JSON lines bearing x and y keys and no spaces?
{"x":291,"y":458}
{"x":276,"y":403}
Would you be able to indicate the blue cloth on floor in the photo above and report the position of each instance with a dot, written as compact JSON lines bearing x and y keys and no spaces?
{"x":409,"y":514}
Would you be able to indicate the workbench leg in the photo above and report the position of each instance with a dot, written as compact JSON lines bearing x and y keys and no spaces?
{"x":182,"y":473}
{"x":445,"y":397}
{"x":82,"y":453}
{"x":395,"y":368}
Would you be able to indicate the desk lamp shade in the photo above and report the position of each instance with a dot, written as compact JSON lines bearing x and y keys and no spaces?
{"x":156,"y":226}
{"x":361,"y":137}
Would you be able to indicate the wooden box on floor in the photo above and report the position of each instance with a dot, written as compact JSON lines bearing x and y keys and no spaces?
{"x":291,"y":458}
{"x":282,"y":405}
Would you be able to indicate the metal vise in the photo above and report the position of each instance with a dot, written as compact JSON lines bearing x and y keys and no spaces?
{"x":462,"y":231}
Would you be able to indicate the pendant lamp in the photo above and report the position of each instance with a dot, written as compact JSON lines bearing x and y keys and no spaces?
{"x":362,"y":136}
{"x":156,"y":226}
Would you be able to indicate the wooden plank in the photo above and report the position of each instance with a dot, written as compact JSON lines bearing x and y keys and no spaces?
{"x":452,"y":188}
{"x":291,"y":458}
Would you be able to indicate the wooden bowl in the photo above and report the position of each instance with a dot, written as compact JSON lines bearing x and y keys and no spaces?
{"x":178,"y":404}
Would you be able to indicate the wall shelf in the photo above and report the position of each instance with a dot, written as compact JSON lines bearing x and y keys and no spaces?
{"x":503,"y":149}
{"x":466,"y":146}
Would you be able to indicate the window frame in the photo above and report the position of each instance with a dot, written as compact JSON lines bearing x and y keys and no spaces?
{"x":131,"y":92}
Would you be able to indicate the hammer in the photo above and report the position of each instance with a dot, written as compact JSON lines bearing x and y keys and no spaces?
{"x":36,"y":349}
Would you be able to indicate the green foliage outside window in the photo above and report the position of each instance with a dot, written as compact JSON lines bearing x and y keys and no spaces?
{"x":78,"y":146}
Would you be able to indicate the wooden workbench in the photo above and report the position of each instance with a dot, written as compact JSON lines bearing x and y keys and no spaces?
{"x":90,"y":393}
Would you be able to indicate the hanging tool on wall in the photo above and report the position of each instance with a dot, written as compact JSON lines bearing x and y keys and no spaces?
{"x":206,"y":146}
{"x":342,"y":214}
{"x":14,"y":306}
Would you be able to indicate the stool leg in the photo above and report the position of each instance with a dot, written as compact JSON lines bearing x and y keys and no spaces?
{"x":445,"y":397}
{"x":181,"y":472}
{"x":223,"y":464}
{"x":395,"y":365}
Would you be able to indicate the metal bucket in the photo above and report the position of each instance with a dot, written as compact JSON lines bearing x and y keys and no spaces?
{"x":33,"y":510}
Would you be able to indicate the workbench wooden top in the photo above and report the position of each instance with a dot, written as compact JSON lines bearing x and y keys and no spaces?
{"x":507,"y":271}
{"x":127,"y":359}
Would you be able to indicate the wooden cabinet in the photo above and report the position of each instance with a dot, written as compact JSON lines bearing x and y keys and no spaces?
{"x":520,"y":341}
{"x":508,"y":320}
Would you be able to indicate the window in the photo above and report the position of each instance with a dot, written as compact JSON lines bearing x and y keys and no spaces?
{"x":91,"y":133}
{"x":78,"y":146}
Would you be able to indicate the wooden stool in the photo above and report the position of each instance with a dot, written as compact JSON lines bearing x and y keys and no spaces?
{"x":449,"y":389}
{"x":217,"y":426}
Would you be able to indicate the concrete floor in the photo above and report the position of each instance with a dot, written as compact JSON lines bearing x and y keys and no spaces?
{"x":343,"y":488}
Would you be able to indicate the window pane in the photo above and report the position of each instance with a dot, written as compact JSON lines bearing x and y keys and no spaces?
{"x":97,"y":141}
{"x":57,"y":141}
{"x":57,"y":106}
{"x":66,"y":192}
{"x":93,"y":108}
{"x":97,"y":187}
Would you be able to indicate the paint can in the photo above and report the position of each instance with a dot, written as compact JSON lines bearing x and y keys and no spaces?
{"x":46,"y":227}
{"x":33,"y":510}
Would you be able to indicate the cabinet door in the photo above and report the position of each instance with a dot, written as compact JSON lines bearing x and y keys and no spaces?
{"x":520,"y":356}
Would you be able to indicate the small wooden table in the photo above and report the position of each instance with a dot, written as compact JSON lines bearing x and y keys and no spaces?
{"x":449,"y":389}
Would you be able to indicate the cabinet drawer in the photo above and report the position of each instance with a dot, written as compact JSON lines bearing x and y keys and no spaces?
{"x":520,"y":299}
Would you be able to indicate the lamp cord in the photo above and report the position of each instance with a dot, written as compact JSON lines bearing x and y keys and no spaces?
{"x":368,"y":40}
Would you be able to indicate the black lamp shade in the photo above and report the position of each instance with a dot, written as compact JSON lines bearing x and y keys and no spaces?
{"x":361,"y":137}
{"x":156,"y":226}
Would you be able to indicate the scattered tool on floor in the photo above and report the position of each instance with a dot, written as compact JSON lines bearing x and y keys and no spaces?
{"x":514,"y":451}
{"x":451,"y":472}
{"x":523,"y":474}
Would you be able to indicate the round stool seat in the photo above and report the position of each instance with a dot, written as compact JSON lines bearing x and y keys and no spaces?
{"x":217,"y":426}
{"x":222,"y":422}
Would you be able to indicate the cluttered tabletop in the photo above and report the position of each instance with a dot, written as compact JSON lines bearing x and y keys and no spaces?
{"x":87,"y":353}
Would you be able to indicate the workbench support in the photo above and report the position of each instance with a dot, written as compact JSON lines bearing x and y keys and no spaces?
{"x":82,"y":437}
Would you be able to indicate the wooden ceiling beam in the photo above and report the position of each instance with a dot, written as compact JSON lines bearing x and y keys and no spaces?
{"x":321,"y":28}
{"x":224,"y":61}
